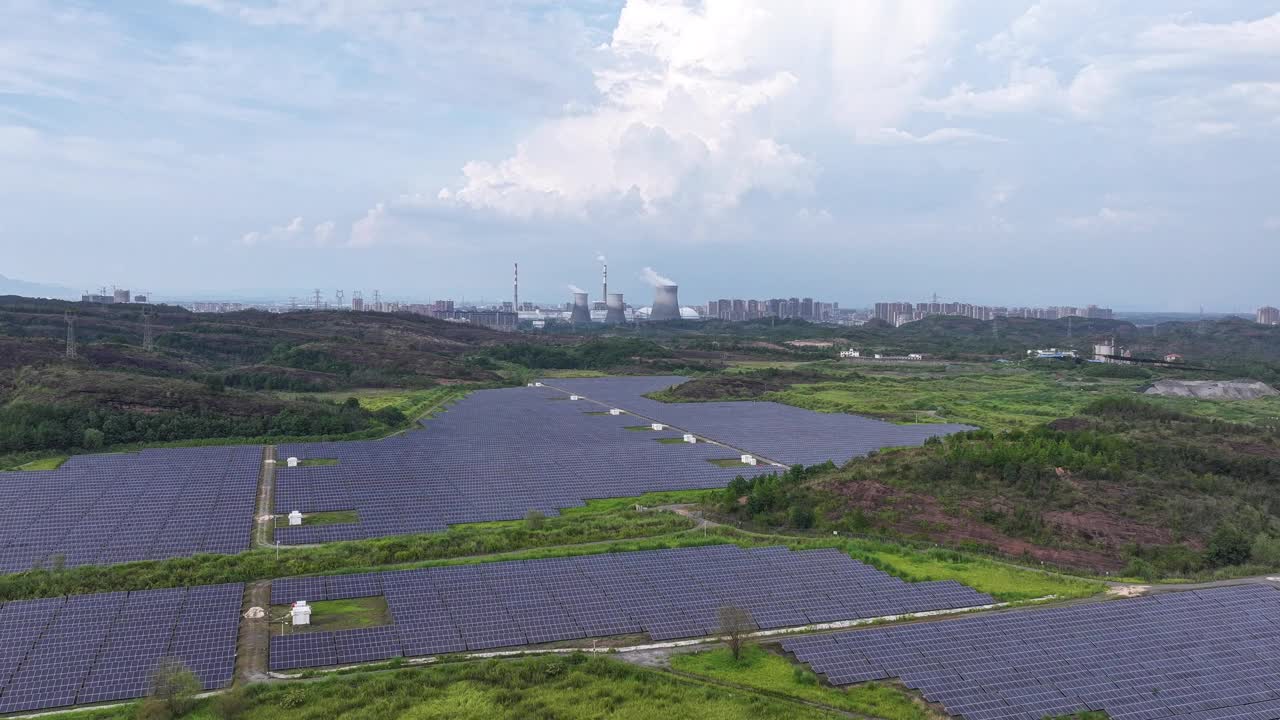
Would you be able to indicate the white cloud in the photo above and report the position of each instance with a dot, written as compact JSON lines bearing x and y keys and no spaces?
{"x":295,"y":233}
{"x":894,"y":136}
{"x":1242,"y":37}
{"x":1109,"y":218}
{"x":696,"y":101}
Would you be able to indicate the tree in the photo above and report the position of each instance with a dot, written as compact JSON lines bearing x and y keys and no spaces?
{"x":173,"y":690}
{"x":93,"y":438}
{"x":1228,"y":546}
{"x":534,"y":519}
{"x":735,"y":625}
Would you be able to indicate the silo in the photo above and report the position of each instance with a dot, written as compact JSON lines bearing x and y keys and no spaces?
{"x":666,"y":306}
{"x":613,"y":313}
{"x":581,"y":310}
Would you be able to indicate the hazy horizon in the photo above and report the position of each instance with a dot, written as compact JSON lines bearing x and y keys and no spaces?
{"x":999,"y":152}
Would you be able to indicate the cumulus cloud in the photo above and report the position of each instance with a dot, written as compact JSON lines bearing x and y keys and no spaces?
{"x":295,"y":233}
{"x":695,"y":101}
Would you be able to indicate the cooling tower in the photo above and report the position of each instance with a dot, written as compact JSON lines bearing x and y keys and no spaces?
{"x":581,"y":310}
{"x":613,"y":313}
{"x":666,"y":306}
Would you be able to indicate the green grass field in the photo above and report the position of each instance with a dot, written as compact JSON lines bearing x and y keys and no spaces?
{"x":573,"y":687}
{"x":996,"y":399}
{"x":763,"y":670}
{"x":336,"y":517}
{"x":1005,"y":400}
{"x":327,"y":615}
{"x":49,"y":463}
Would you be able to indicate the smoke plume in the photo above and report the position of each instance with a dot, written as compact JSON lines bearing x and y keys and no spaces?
{"x":654,"y":279}
{"x":575,"y":288}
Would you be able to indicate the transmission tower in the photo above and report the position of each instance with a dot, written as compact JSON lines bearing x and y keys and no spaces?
{"x":148,"y":332}
{"x":377,"y":301}
{"x":71,"y":335}
{"x":293,"y":303}
{"x":315,"y":304}
{"x":339,"y":296}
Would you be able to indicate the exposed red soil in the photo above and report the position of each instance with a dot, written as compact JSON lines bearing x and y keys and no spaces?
{"x":1093,"y":538}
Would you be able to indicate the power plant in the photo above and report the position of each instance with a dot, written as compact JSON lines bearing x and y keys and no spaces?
{"x":666,"y":304}
{"x":581,"y":309}
{"x":613,"y":312}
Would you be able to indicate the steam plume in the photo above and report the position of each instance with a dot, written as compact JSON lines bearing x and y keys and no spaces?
{"x":654,"y":279}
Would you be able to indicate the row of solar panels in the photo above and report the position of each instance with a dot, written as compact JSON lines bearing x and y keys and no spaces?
{"x":493,"y":456}
{"x":97,"y":648}
{"x":105,"y":509}
{"x":1205,"y":655}
{"x":783,"y":433}
{"x":667,"y":594}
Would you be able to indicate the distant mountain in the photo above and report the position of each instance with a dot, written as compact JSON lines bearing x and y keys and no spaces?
{"x":10,"y":286}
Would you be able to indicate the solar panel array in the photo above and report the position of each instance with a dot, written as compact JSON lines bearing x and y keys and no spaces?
{"x":105,"y":509}
{"x":494,"y":455}
{"x":497,"y":454}
{"x":97,"y":648}
{"x":666,"y":593}
{"x":783,"y":433}
{"x":1204,"y":655}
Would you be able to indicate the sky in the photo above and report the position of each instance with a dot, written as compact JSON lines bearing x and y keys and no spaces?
{"x":995,"y":151}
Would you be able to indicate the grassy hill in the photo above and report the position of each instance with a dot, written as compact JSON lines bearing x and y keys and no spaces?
{"x":212,"y":376}
{"x":1123,"y":486}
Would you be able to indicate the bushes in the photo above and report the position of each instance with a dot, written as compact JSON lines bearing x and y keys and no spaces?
{"x":593,"y":355}
{"x":42,"y":427}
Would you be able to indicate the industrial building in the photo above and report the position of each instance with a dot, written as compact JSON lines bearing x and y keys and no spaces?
{"x":666,"y":303}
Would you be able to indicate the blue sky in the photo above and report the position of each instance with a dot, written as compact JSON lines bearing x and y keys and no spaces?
{"x":1053,"y":152}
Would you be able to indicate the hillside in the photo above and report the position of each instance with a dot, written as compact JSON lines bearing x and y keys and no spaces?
{"x":1123,"y":486}
{"x":211,"y":376}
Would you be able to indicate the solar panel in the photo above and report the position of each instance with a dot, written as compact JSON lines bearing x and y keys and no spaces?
{"x":1193,"y":654}
{"x":497,"y":454}
{"x":667,"y":594}
{"x":106,"y":509}
{"x":96,"y":648}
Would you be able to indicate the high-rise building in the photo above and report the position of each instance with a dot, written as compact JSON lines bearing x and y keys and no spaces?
{"x":1269,"y":315}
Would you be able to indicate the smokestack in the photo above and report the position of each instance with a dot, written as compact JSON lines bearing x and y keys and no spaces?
{"x":605,"y":280}
{"x":581,"y":310}
{"x":515,"y":289}
{"x":666,"y":305}
{"x":613,"y":313}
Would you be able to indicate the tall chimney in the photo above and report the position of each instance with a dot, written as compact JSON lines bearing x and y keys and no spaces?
{"x":666,"y":304}
{"x":515,"y":289}
{"x":605,"y":277}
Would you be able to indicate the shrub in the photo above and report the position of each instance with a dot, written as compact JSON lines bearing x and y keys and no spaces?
{"x":1228,"y":546}
{"x":232,"y":704}
{"x":1265,"y":550}
{"x":534,"y":520}
{"x":93,"y":439}
{"x":174,"y":686}
{"x":802,"y":517}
